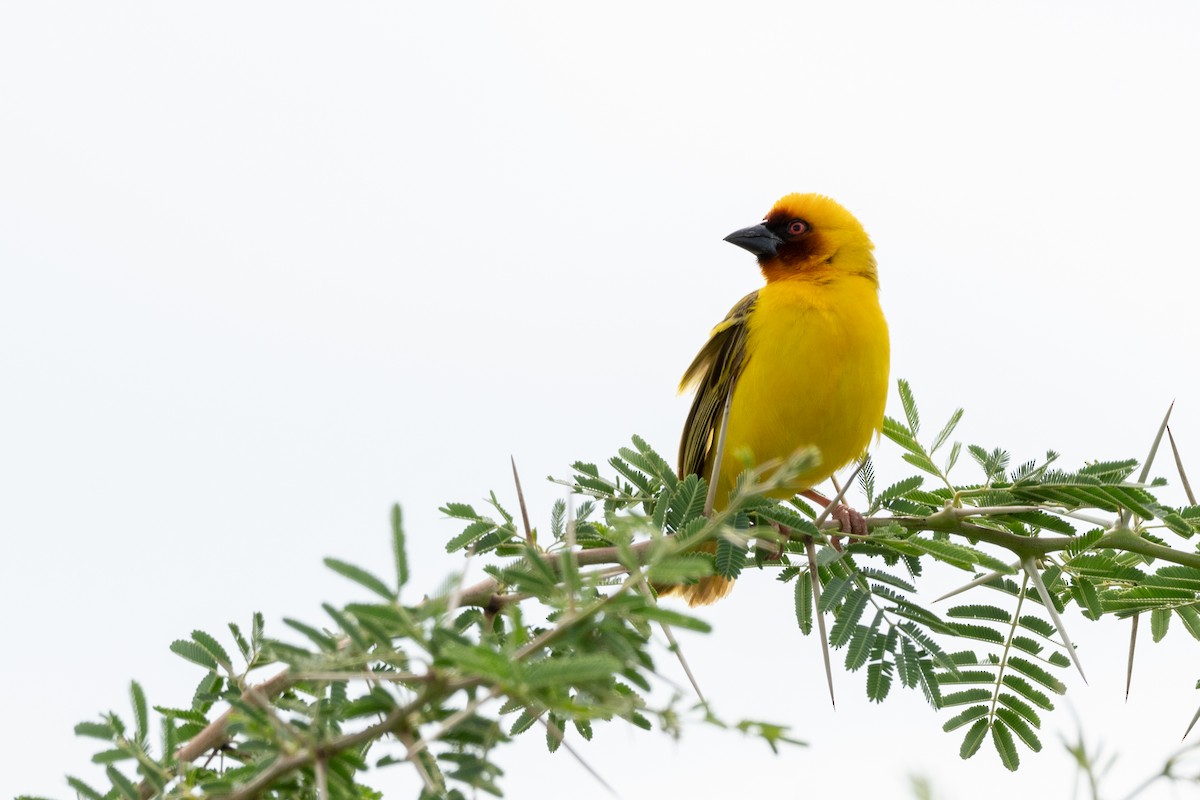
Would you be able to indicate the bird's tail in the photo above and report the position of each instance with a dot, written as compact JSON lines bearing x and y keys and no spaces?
{"x":703,"y":592}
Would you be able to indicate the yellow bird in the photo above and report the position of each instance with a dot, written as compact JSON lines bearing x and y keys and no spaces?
{"x":806,"y":357}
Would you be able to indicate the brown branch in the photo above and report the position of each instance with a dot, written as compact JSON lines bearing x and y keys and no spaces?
{"x":491,"y":594}
{"x":395,"y":720}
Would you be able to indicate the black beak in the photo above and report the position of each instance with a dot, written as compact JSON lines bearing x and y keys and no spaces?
{"x":758,"y":239}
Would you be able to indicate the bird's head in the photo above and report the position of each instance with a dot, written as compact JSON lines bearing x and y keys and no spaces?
{"x":808,"y":236}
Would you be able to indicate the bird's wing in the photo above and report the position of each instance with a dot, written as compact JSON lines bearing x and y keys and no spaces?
{"x":713,"y":373}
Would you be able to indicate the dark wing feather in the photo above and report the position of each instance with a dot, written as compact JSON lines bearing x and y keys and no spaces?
{"x":713,"y":372}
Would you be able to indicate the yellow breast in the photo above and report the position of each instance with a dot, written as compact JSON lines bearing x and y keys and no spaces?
{"x":816,"y":373}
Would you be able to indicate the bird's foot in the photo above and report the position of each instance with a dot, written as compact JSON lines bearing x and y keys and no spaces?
{"x":849,"y":521}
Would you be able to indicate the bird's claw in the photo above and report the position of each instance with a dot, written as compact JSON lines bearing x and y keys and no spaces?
{"x":849,"y":521}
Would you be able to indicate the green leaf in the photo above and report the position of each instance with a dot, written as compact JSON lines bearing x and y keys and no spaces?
{"x":910,"y":407}
{"x":96,"y":730}
{"x":348,"y":627}
{"x":994,"y":464}
{"x":1021,"y":728}
{"x":952,"y":459}
{"x":398,"y":548}
{"x":112,"y":756}
{"x":804,"y":604}
{"x":361,"y":577}
{"x":1160,"y":620}
{"x":948,"y":429}
{"x":571,"y":671}
{"x":686,"y":502}
{"x":866,"y":480}
{"x":1084,"y":542}
{"x":1027,"y":645}
{"x":321,"y":639}
{"x":980,"y":612}
{"x":194,"y":653}
{"x":83,"y":789}
{"x":1005,"y":746}
{"x":965,"y":716}
{"x":472,"y":533}
{"x":833,"y":592}
{"x":214,"y":648}
{"x":1026,"y":690}
{"x":140,"y":714}
{"x":872,"y":573}
{"x":122,"y":784}
{"x":1085,"y":595}
{"x":966,"y":696}
{"x":973,"y":739}
{"x":675,"y":619}
{"x":729,"y":559}
{"x":787,"y":518}
{"x":240,"y":640}
{"x":464,"y":511}
{"x":656,"y":464}
{"x":847,"y":617}
{"x":929,"y":683}
{"x":522,"y":723}
{"x":921,"y":462}
{"x":672,"y":570}
{"x":643,"y":483}
{"x":1020,"y":707}
{"x":183,"y":714}
{"x":879,"y":680}
{"x":900,"y":488}
{"x":957,"y":555}
{"x":1190,"y":619}
{"x":980,"y":632}
{"x":862,"y":639}
{"x":1176,"y":576}
{"x":1038,"y":625}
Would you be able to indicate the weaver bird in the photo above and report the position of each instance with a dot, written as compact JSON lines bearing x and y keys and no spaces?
{"x":805,"y":356}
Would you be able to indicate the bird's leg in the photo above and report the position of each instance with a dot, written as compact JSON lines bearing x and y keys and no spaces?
{"x":849,"y":521}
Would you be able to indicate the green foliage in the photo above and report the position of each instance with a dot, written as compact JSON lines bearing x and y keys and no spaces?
{"x":562,"y":635}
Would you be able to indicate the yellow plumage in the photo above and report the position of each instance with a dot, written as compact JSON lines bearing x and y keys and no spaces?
{"x":806,"y":355}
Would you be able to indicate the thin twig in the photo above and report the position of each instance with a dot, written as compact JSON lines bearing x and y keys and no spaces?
{"x":484,"y":592}
{"x":407,"y":740}
{"x":1133,"y":632}
{"x":1187,"y":487}
{"x":683,"y":662}
{"x":213,"y":736}
{"x":1008,"y":643}
{"x":322,"y":779}
{"x":1036,"y":576}
{"x":1192,"y":724}
{"x":816,"y":589}
{"x":521,"y":502}
{"x":1126,"y":514}
{"x":395,"y":718}
{"x":982,"y":579}
{"x":837,"y":498}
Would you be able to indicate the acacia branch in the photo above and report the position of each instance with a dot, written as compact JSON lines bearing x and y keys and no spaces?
{"x":490,"y":593}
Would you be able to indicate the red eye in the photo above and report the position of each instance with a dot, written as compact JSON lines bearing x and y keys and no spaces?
{"x":797,"y":227}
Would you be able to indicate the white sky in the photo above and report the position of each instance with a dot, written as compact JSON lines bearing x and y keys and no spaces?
{"x":267,"y":268}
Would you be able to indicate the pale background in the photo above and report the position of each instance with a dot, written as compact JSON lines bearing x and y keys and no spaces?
{"x":267,"y":268}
